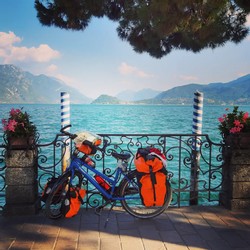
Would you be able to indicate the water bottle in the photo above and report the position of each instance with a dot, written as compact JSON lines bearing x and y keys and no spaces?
{"x":102,"y":182}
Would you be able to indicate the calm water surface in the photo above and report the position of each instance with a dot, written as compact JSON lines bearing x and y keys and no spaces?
{"x":149,"y":119}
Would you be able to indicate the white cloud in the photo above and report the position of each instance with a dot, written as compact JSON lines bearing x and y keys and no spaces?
{"x":12,"y":54}
{"x":126,"y":69}
{"x":52,"y":68}
{"x":66,"y":79}
{"x":240,"y":74}
{"x":7,"y":39}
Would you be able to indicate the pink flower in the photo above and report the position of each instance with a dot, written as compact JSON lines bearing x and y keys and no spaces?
{"x":245,"y":116}
{"x":18,"y":124}
{"x":221,"y":119}
{"x":5,"y":124}
{"x":234,"y":122}
{"x":235,"y":130}
{"x":4,"y":121}
{"x":11,"y":126}
{"x":237,"y":123}
{"x":14,"y":112}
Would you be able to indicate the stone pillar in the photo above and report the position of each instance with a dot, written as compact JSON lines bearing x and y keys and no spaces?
{"x":21,"y":181}
{"x":236,"y":185}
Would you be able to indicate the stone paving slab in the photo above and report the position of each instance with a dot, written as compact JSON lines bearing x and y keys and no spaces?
{"x":186,"y":228}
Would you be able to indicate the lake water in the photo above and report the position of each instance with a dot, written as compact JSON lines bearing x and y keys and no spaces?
{"x":148,"y":119}
{"x":123,"y":119}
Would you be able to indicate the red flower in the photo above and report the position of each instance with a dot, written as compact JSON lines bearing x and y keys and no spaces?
{"x":14,"y":112}
{"x":234,"y":122}
{"x":237,"y":123}
{"x":245,"y":117}
{"x":221,"y":119}
{"x":12,"y":125}
{"x":18,"y":124}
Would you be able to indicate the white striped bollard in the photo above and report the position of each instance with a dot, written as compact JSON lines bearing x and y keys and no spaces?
{"x":196,"y":130}
{"x":197,"y":117}
{"x":65,"y":120}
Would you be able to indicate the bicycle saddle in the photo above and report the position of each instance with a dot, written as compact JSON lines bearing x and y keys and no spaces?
{"x":124,"y":156}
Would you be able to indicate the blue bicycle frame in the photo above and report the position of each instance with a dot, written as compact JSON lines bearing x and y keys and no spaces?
{"x":78,"y":164}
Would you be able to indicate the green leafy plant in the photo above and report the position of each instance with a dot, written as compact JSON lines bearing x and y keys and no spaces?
{"x":234,"y":122}
{"x":18,"y":124}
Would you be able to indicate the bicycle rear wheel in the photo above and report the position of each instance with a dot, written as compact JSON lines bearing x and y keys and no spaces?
{"x":132,"y":203}
{"x":56,"y":197}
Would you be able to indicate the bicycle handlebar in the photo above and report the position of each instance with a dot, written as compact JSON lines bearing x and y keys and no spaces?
{"x":73,"y":136}
{"x":62,"y":130}
{"x":105,"y":144}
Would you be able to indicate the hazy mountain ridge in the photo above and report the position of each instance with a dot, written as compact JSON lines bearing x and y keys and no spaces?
{"x":130,"y":95}
{"x":18,"y":86}
{"x":233,"y":92}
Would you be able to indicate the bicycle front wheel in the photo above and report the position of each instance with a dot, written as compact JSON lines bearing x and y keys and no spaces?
{"x":132,"y":202}
{"x":57,"y":195}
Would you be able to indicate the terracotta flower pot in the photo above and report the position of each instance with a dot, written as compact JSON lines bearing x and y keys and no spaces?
{"x":238,"y":141}
{"x":21,"y":142}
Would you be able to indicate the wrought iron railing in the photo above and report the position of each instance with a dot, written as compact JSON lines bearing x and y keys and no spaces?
{"x":194,"y":163}
{"x":2,"y":176}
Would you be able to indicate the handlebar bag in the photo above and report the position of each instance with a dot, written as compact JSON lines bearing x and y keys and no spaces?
{"x":73,"y":200}
{"x":86,"y":142}
{"x":151,"y":176}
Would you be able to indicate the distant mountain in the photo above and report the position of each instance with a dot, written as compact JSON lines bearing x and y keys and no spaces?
{"x":18,"y":86}
{"x":233,"y":92}
{"x":106,"y":99}
{"x":130,"y":95}
{"x":236,"y":92}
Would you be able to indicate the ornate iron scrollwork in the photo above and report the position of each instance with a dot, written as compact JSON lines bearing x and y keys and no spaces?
{"x":178,"y":149}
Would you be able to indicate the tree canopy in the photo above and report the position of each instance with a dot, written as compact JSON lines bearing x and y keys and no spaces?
{"x":155,"y":26}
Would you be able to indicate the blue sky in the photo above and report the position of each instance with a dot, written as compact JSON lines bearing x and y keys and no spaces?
{"x":96,"y":61}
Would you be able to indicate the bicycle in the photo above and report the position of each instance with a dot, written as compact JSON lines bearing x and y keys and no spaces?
{"x":123,"y":185}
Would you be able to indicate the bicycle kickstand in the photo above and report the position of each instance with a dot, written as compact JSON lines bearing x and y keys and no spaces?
{"x":99,"y":209}
{"x":107,"y":220}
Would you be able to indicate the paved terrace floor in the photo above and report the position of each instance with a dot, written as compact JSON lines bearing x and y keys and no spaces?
{"x":176,"y":229}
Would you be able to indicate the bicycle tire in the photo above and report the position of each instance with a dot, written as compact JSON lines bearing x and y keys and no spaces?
{"x":56,"y":197}
{"x":129,"y":187}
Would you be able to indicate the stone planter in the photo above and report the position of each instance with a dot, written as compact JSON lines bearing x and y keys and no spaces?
{"x":236,"y":185}
{"x":21,"y":180}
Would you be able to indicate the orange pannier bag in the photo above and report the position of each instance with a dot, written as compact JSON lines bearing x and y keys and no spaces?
{"x":151,"y":176}
{"x":73,"y":201}
{"x":149,"y":196}
{"x":142,"y":164}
